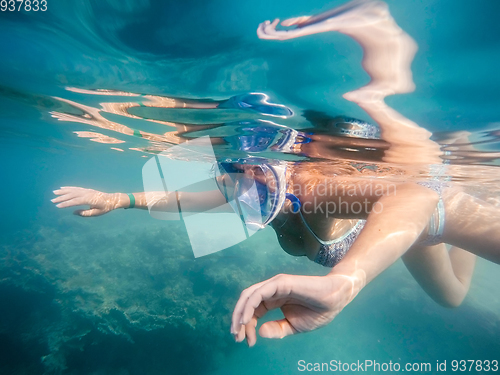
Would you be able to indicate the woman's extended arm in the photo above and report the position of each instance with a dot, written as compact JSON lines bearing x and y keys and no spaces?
{"x":101,"y":203}
{"x":312,"y":302}
{"x":390,"y":230}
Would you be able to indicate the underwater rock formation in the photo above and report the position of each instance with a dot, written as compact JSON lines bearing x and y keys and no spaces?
{"x":129,"y":298}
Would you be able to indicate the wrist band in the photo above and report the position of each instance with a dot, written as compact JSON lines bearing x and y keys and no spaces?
{"x":132,"y":200}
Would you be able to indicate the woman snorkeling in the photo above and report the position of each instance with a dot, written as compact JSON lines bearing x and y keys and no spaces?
{"x":407,"y":227}
{"x":341,"y":213}
{"x":381,"y":220}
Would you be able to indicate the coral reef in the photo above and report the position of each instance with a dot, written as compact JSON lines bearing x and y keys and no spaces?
{"x":134,"y":287}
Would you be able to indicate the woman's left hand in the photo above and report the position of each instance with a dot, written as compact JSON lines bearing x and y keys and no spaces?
{"x":99,"y":203}
{"x":307,"y":302}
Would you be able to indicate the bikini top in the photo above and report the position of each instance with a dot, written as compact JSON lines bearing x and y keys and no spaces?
{"x":331,"y":252}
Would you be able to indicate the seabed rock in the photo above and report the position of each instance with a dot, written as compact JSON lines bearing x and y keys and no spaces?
{"x":132,"y":301}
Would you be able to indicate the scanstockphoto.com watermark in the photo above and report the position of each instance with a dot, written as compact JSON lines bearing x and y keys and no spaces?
{"x":371,"y":366}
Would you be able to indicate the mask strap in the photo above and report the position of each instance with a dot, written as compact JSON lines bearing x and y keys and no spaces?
{"x":296,"y":205}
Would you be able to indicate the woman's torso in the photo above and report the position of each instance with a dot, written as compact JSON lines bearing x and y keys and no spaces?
{"x":311,"y":232}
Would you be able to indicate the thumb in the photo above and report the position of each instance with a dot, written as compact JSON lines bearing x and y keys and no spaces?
{"x":87,"y":213}
{"x":277,"y":329}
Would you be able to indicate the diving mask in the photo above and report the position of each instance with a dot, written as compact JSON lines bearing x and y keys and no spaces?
{"x":255,"y":192}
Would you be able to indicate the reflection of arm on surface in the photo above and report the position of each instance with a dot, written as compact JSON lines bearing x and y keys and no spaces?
{"x":444,"y":276}
{"x":459,"y":148}
{"x":388,"y":53}
{"x":93,"y":116}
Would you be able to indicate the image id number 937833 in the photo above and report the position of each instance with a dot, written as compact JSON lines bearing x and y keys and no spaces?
{"x":23,"y":5}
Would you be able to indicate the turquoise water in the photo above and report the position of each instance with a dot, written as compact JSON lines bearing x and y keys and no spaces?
{"x":123,"y":294}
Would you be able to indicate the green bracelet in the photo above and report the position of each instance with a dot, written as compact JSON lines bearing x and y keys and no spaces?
{"x":132,"y":200}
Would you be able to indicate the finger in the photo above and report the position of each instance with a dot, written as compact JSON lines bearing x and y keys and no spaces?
{"x":88,"y":213}
{"x":78,"y":201}
{"x":272,"y":289}
{"x":67,"y":189}
{"x":263,"y":309}
{"x":240,"y":305}
{"x":260,"y":31}
{"x":264,"y":31}
{"x":62,"y":191}
{"x":240,"y":336}
{"x":270,"y":29}
{"x":238,"y":309}
{"x":250,"y":332}
{"x":63,"y":198}
{"x":65,"y":195}
{"x":277,"y":329}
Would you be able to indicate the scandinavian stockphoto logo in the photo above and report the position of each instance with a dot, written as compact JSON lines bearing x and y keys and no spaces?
{"x":189,"y":167}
